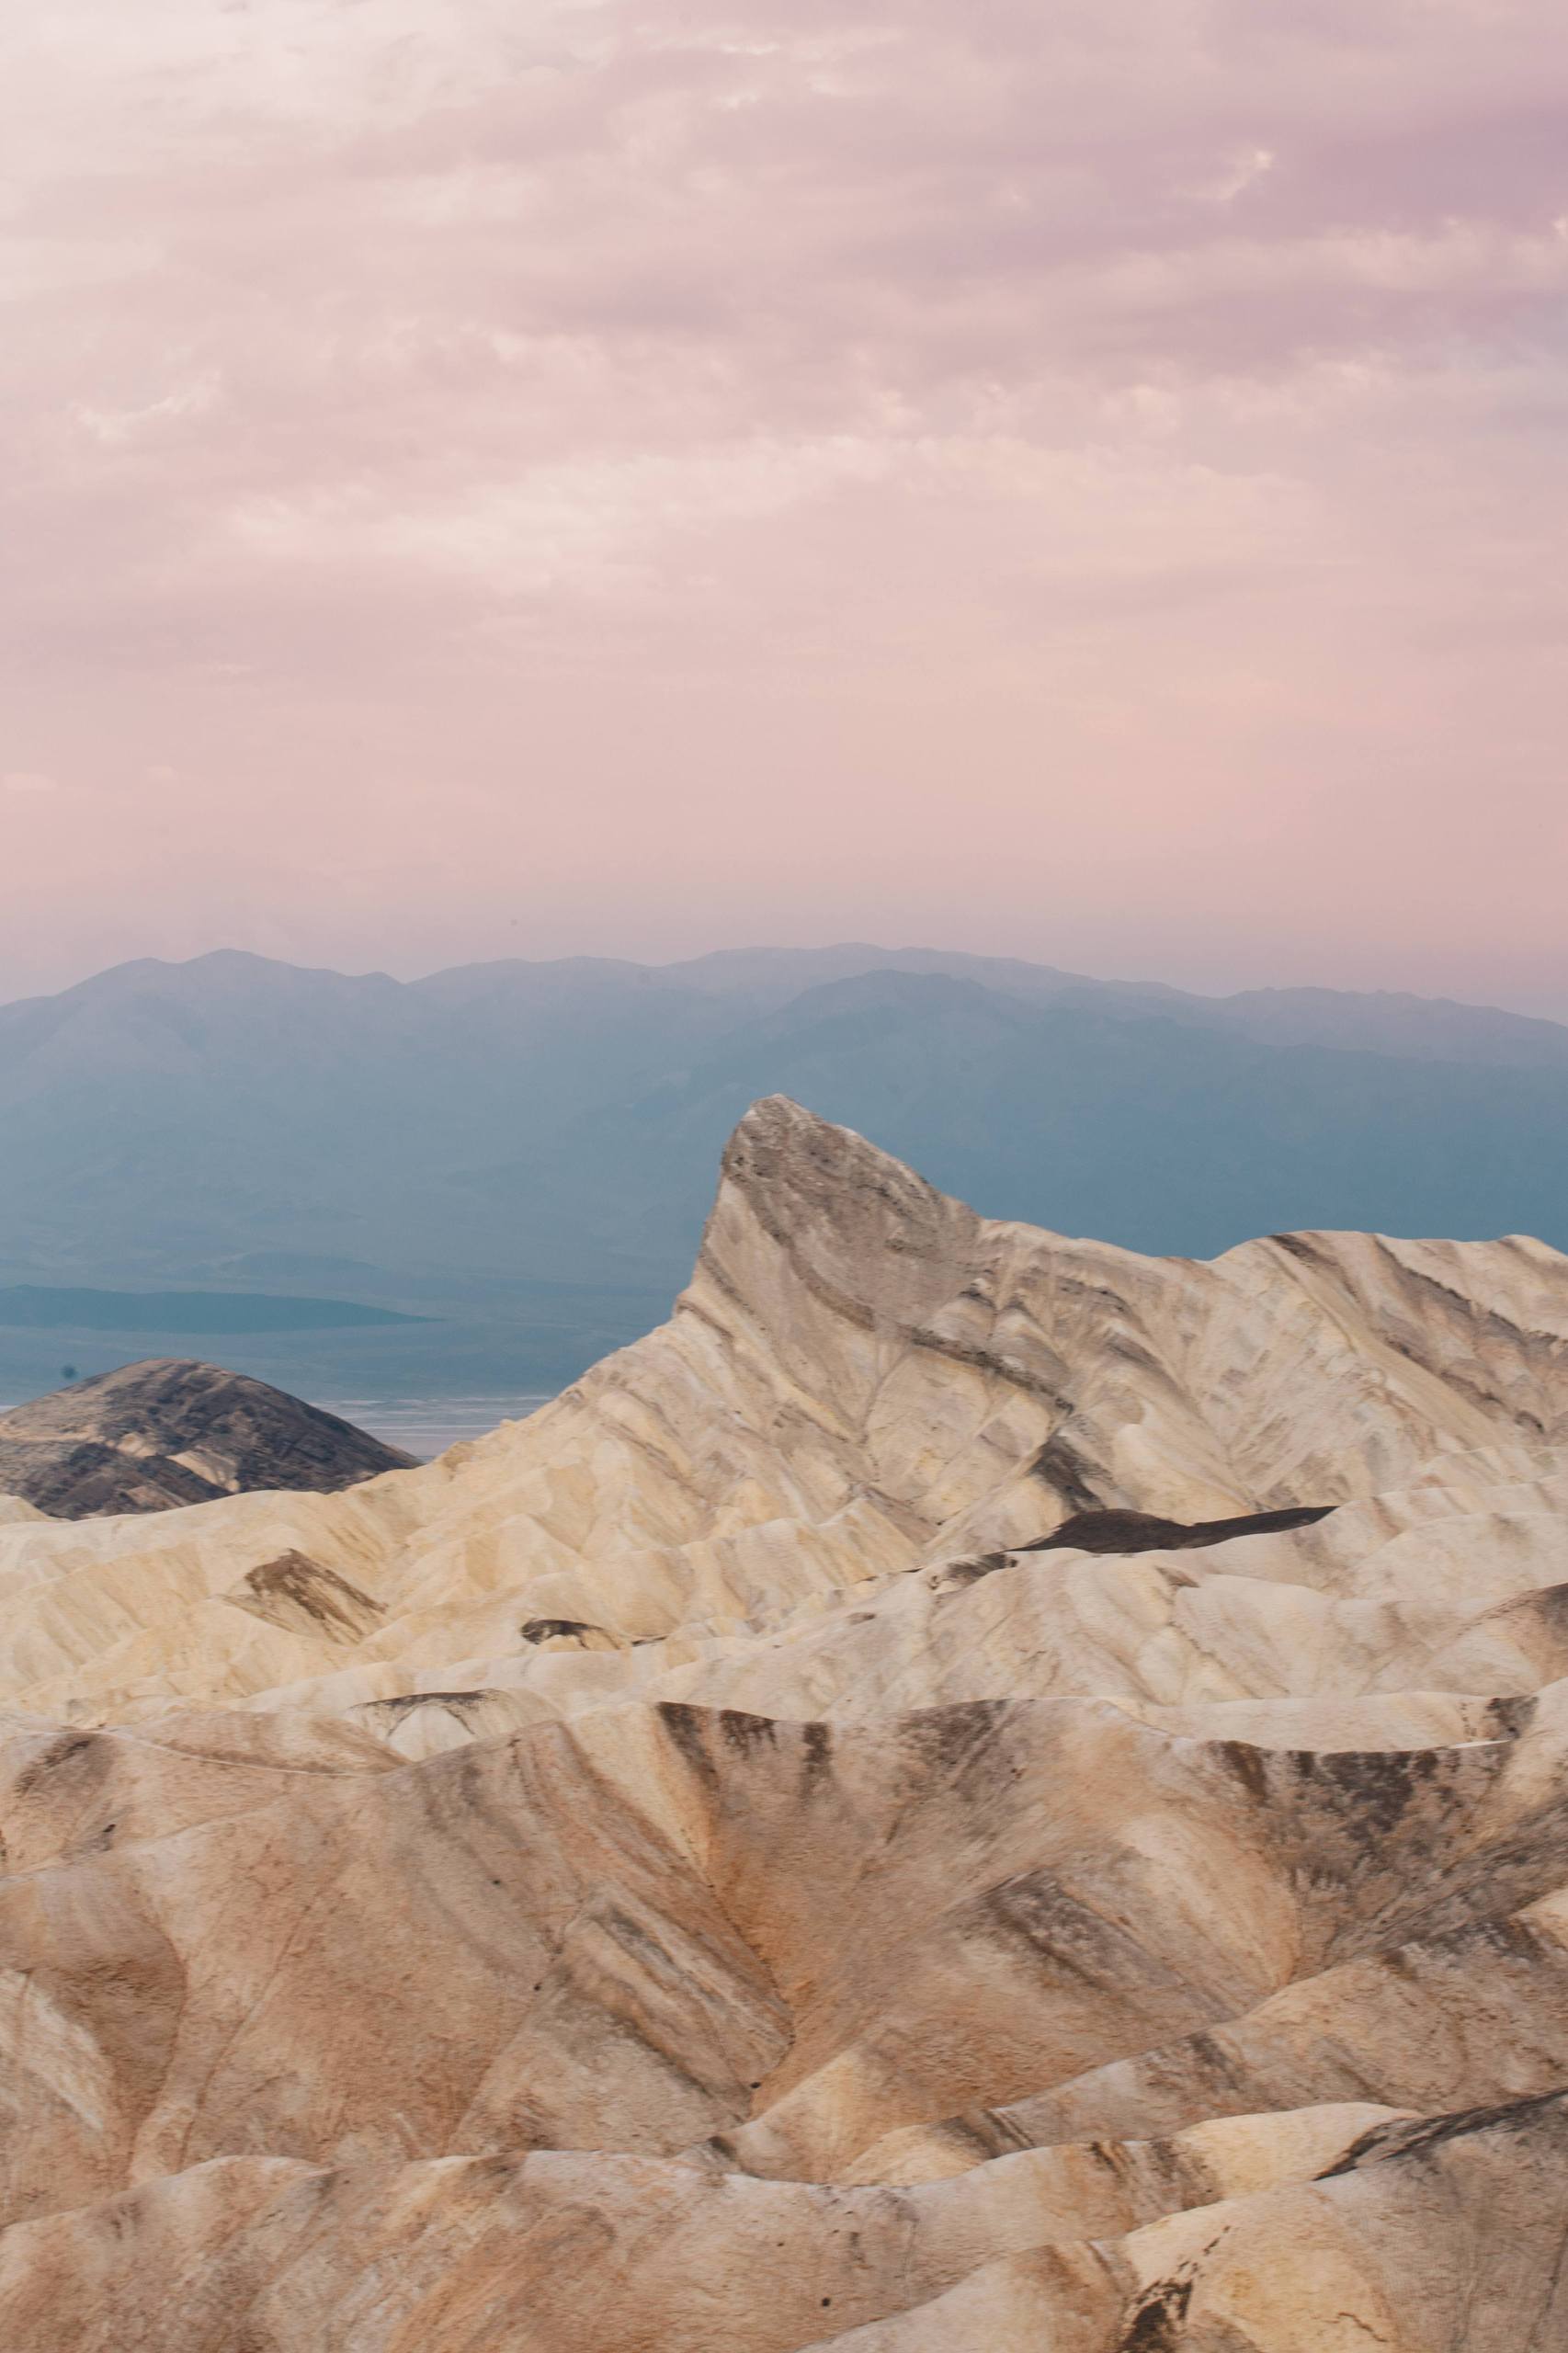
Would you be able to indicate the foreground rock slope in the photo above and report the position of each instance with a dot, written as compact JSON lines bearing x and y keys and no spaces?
{"x":168,"y":1431}
{"x":975,"y":1790}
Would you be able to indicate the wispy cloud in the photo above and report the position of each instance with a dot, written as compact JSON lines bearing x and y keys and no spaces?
{"x":1071,"y":468}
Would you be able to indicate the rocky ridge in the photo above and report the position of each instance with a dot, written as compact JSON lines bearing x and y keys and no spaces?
{"x":168,"y":1431}
{"x":973,"y":1790}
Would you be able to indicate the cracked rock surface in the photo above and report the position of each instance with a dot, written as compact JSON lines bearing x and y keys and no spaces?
{"x":975,"y":1792}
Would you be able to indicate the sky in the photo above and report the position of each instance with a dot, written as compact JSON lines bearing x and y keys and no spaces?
{"x":1082,"y":479}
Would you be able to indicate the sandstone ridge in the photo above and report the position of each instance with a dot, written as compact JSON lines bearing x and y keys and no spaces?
{"x":974,"y":1791}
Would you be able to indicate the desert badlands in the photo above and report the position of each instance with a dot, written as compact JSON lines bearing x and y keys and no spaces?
{"x":973,"y":1793}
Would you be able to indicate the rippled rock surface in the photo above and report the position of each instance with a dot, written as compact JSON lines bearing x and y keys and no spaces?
{"x":974,"y":1792}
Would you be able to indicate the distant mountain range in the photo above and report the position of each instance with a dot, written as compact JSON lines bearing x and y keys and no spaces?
{"x":60,"y":1307}
{"x":534,"y":1142}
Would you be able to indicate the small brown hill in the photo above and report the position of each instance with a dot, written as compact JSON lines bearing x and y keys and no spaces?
{"x":170,"y":1431}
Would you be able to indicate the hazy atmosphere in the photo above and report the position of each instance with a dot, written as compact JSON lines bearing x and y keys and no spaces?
{"x":783,"y":1177}
{"x":1082,"y":482}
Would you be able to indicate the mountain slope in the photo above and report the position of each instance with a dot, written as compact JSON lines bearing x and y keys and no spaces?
{"x":696,"y":1869}
{"x":168,"y":1432}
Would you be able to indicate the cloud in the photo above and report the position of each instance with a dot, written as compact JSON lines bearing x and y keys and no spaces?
{"x":27,"y":781}
{"x":1237,"y":174}
{"x":114,"y":427}
{"x":1152,"y":410}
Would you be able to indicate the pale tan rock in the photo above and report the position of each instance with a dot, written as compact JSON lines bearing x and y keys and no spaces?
{"x":683,"y":1872}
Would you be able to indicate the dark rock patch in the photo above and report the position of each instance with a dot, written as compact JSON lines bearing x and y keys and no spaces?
{"x":1408,"y":2139}
{"x":299,"y":1593}
{"x":1141,"y":1531}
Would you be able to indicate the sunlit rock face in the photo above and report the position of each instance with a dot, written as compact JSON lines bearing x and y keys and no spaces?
{"x":974,"y":1792}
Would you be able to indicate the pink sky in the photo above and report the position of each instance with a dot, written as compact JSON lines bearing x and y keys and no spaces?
{"x":1081,"y":478}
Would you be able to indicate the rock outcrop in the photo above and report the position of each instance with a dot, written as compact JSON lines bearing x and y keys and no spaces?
{"x":972,"y":1791}
{"x":152,"y":1436}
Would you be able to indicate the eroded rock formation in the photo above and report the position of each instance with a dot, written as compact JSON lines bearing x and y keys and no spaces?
{"x":974,"y":1792}
{"x":168,"y":1431}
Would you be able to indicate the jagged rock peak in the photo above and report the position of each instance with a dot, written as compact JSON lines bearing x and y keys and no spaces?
{"x":783,"y":1156}
{"x":802,"y":1175}
{"x":862,"y":1233}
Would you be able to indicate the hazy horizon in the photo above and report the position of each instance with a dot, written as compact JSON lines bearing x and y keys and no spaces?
{"x":523,"y":1159}
{"x":411,"y":971}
